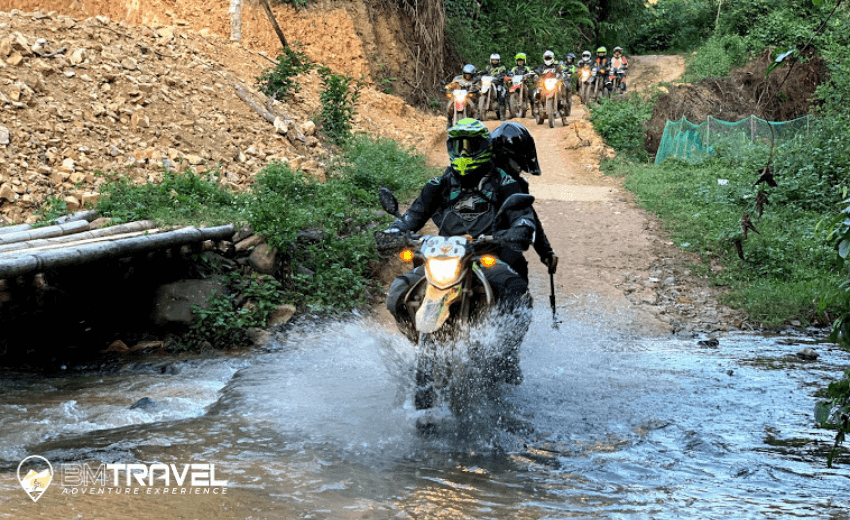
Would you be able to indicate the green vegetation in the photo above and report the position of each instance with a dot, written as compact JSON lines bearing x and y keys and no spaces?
{"x":248,"y":302}
{"x":182,"y":198}
{"x":480,"y":28}
{"x":338,"y":100}
{"x":328,"y":271}
{"x":620,"y":124}
{"x":281,"y":81}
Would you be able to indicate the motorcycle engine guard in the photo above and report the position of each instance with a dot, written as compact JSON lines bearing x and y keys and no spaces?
{"x":434,"y":311}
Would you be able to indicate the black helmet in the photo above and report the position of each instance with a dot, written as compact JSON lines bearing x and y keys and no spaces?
{"x":569,"y":57}
{"x":513,"y":142}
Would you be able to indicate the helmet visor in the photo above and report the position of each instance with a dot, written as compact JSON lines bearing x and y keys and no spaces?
{"x":466,"y":146}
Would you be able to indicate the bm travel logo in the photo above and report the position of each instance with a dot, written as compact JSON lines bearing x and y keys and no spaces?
{"x":35,"y":474}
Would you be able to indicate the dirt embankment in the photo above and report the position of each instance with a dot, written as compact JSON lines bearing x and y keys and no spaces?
{"x":784,"y":95}
{"x":82,"y":95}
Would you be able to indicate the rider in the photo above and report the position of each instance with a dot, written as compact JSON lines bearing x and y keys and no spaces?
{"x":548,"y":66}
{"x":466,"y":79}
{"x":623,"y":66}
{"x":514,"y":152}
{"x":498,"y":71}
{"x":464,"y":201}
{"x":520,"y":70}
{"x":602,"y":62}
{"x":569,"y":66}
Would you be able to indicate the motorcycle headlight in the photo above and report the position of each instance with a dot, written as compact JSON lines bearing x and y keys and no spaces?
{"x":443,"y":272}
{"x":550,"y":83}
{"x":460,"y":95}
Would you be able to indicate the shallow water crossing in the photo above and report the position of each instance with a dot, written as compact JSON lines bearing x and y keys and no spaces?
{"x":605,"y":425}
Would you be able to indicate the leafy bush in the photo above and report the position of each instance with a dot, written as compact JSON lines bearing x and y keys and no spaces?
{"x":181,"y":198}
{"x":716,"y":56}
{"x":621,"y":123}
{"x":672,"y":25}
{"x":338,"y":100}
{"x":248,"y":303}
{"x":332,"y":271}
{"x":282,"y":80}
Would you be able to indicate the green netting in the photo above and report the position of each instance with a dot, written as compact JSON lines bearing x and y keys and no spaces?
{"x":688,"y":141}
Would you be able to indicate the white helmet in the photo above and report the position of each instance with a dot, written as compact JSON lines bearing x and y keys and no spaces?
{"x":586,"y":55}
{"x":548,"y":57}
{"x":495,"y":59}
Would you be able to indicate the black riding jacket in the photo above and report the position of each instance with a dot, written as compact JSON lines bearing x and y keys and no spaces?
{"x":459,"y":211}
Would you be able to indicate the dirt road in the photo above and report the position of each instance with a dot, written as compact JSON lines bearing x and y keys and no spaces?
{"x":614,"y":258}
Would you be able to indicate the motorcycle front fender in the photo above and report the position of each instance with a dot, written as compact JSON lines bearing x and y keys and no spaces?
{"x":434,"y":311}
{"x":459,"y":105}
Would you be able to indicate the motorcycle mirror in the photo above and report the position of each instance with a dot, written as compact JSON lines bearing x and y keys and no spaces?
{"x":390,"y":203}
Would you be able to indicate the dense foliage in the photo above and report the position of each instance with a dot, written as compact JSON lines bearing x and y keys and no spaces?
{"x":338,"y":97}
{"x":329,"y":270}
{"x":620,"y":124}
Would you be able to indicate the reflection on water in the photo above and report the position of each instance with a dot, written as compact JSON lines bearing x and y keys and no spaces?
{"x":604,"y":426}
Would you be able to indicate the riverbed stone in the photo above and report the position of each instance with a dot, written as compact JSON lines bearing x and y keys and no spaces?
{"x":173,"y":302}
{"x":281,"y":315}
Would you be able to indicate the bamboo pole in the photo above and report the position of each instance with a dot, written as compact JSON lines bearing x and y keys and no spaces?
{"x":87,"y":215}
{"x":45,"y":232}
{"x":139,"y":225}
{"x":79,"y":243}
{"x":57,"y":258}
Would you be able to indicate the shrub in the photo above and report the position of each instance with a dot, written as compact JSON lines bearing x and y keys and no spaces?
{"x":338,"y":98}
{"x":621,"y":123}
{"x":716,"y":57}
{"x":281,"y":81}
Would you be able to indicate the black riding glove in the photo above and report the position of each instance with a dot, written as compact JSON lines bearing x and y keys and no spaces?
{"x":517,"y":237}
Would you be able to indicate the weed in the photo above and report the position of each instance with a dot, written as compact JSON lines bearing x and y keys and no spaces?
{"x":53,"y":208}
{"x":281,"y":81}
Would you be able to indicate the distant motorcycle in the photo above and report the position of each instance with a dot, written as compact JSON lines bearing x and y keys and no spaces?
{"x":488,"y":97}
{"x":460,"y":106}
{"x":553,"y":97}
{"x":585,"y":84}
{"x":518,"y":96}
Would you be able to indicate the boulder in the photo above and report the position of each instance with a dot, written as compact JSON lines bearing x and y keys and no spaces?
{"x":281,"y":315}
{"x":263,"y":259}
{"x":173,"y":302}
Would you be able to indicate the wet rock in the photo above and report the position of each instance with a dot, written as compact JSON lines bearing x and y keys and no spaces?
{"x":258,"y":336}
{"x":281,"y":315}
{"x":173,"y":302}
{"x":116,"y":346}
{"x":145,"y":404}
{"x":808,"y":354}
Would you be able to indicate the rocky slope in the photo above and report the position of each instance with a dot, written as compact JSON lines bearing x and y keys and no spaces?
{"x":83,"y":96}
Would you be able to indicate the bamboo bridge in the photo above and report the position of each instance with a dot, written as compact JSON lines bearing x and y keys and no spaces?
{"x":26,"y":250}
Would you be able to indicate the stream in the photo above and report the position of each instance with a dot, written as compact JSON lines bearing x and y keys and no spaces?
{"x":605,"y":425}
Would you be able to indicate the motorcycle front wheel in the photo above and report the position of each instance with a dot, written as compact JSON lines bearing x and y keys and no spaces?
{"x":550,"y":111}
{"x":483,"y":101}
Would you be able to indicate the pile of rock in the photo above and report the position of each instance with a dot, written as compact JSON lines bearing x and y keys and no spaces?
{"x":80,"y":97}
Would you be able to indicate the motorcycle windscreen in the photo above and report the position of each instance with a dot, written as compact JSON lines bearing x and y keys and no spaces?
{"x":434,"y":311}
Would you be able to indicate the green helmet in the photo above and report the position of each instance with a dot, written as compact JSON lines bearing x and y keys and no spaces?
{"x":602,"y":50}
{"x":470,"y":148}
{"x":520,"y":56}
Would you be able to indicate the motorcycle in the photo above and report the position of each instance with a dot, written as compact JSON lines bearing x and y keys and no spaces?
{"x":488,"y":98}
{"x":518,"y":93}
{"x":618,"y":72}
{"x":584,"y":82}
{"x":453,"y":295}
{"x":552,"y":94}
{"x":460,"y":106}
{"x":599,"y":80}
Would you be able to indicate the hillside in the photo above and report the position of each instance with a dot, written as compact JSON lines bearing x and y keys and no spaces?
{"x":80,"y":96}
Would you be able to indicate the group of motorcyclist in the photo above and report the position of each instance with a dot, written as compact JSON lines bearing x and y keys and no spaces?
{"x":613,"y":67}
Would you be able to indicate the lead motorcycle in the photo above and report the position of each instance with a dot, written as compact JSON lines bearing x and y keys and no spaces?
{"x":552,"y":99}
{"x":453,"y":295}
{"x":488,"y":96}
{"x":584,"y":82}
